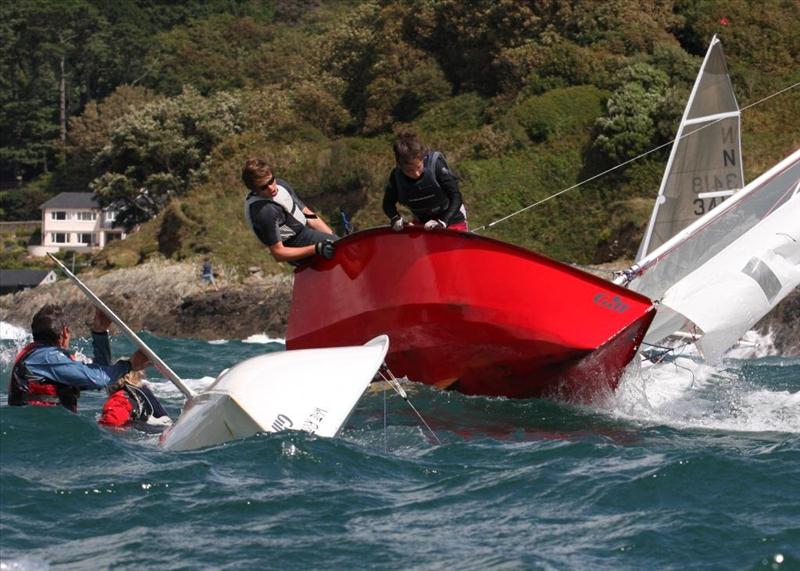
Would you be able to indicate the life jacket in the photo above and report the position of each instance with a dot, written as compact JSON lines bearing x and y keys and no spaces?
{"x":294,"y":221}
{"x":425,"y":196}
{"x":133,"y":406}
{"x":25,"y":388}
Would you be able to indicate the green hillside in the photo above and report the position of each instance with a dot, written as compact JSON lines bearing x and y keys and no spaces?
{"x":525,"y":99}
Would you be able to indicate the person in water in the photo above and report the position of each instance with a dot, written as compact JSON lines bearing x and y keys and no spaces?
{"x":46,"y":374}
{"x":131,"y":404}
{"x":278,"y":217}
{"x":422,"y":181}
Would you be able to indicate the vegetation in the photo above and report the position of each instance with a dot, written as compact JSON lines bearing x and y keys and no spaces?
{"x":155,"y":106}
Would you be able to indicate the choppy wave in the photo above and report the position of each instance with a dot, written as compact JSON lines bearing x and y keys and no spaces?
{"x":732,"y":396}
{"x":687,"y":466}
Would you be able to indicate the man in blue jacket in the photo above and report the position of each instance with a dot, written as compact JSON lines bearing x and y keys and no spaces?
{"x":45,"y":372}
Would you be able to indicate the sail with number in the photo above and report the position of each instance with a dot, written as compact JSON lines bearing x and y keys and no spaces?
{"x":703,"y":274}
{"x":705,"y":166}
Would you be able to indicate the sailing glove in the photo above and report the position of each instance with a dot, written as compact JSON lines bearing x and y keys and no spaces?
{"x":398,"y":223}
{"x":326,"y":249}
{"x":435,"y":225}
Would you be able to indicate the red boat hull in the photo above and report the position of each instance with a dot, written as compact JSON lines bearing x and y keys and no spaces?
{"x":470,"y":313}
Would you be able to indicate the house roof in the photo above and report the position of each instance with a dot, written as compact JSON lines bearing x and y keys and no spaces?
{"x":72,"y":200}
{"x":15,"y":278}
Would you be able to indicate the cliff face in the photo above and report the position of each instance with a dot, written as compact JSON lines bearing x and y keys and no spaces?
{"x":167,"y":299}
{"x":784,"y":323}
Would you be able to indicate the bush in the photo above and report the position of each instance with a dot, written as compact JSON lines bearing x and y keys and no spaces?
{"x":159,"y":150}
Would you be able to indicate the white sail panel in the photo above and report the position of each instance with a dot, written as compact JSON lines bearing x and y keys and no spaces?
{"x":707,"y":237}
{"x":727,"y":296}
{"x":705,"y":165}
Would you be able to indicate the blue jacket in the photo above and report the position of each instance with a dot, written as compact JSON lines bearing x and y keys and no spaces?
{"x":55,"y":364}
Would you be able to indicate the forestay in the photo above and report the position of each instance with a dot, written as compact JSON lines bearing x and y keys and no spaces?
{"x":705,"y":166}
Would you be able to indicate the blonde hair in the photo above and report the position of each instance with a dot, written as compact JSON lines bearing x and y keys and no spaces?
{"x":134,"y":378}
{"x":255,"y":173}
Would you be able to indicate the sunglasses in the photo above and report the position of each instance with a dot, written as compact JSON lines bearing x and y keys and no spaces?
{"x":268,"y":183}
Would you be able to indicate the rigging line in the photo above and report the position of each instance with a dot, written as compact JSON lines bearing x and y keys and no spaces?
{"x":636,"y":158}
{"x":395,"y":384}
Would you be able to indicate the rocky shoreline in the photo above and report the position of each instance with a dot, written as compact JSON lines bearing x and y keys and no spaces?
{"x":167,"y":299}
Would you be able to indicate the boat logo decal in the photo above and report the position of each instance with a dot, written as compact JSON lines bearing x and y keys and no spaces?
{"x":314,"y":420}
{"x":282,"y":422}
{"x":614,"y":303}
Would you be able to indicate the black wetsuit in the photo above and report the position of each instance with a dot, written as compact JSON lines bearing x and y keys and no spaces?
{"x":434,"y":196}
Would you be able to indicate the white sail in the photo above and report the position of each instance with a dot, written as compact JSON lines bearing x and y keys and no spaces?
{"x":704,"y":239}
{"x":726,"y":296}
{"x":705,"y":165}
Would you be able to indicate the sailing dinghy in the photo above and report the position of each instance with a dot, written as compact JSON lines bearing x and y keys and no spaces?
{"x":313,"y":391}
{"x":726,"y":271}
{"x":706,"y":251}
{"x":470,"y":313}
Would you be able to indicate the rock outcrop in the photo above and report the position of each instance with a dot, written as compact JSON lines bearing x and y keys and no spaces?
{"x":167,"y":299}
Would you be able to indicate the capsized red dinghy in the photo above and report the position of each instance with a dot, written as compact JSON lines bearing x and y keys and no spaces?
{"x":471,"y":313}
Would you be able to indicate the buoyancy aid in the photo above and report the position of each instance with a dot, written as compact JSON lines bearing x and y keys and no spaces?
{"x":295,"y":219}
{"x":132,"y":406}
{"x":24,"y":388}
{"x":425,"y":197}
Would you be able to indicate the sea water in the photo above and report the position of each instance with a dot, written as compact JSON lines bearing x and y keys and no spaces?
{"x":686,"y":466}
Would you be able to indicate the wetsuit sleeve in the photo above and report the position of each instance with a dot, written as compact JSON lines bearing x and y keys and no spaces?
{"x":449,"y":184}
{"x":55,"y":365}
{"x":390,"y":198}
{"x":101,"y":348}
{"x":287,"y":186}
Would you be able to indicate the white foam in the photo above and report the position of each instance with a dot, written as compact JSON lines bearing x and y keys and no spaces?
{"x":164,"y":389}
{"x":218,"y":342}
{"x":12,"y":332}
{"x":24,"y":564}
{"x":686,"y":393}
{"x":263,"y":339}
{"x":753,"y":345}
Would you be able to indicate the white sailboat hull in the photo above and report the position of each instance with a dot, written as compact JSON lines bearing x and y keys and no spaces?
{"x":725,"y":297}
{"x":312,"y":390}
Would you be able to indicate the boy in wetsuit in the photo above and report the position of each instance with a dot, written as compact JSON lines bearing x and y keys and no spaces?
{"x":278,"y":217}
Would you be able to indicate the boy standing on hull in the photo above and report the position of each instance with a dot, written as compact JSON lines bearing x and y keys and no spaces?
{"x":423,"y":182}
{"x":278,"y":217}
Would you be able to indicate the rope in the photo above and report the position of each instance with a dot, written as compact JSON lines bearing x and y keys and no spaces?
{"x":392,"y":381}
{"x":620,"y":165}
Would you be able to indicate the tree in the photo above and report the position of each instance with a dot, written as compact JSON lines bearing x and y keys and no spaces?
{"x":161,"y":150}
{"x":629,"y":126}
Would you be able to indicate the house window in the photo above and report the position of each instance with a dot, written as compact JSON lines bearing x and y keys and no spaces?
{"x":111,"y":215}
{"x":86,"y":238}
{"x":58,"y":237}
{"x":87,"y":215}
{"x":111,"y":236}
{"x":58,"y":215}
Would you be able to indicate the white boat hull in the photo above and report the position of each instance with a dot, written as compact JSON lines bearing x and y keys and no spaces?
{"x":312,"y":390}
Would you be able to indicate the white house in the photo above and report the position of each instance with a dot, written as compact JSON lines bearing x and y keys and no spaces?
{"x":75,"y":221}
